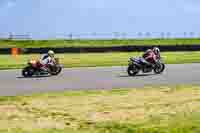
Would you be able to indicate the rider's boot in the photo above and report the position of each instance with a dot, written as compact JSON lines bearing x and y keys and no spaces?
{"x":44,"y":70}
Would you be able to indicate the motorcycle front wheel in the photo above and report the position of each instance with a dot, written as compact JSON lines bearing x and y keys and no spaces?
{"x":28,"y":72}
{"x":159,"y":68}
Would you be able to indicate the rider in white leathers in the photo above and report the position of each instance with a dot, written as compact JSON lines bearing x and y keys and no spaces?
{"x":47,"y":59}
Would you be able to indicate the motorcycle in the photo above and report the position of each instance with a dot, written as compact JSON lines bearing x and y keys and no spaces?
{"x":34,"y":68}
{"x":138,"y":64}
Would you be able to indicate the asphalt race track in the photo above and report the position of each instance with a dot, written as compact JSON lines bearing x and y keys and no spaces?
{"x":12,"y":83}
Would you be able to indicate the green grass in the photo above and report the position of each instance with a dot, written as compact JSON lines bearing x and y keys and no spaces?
{"x":163,"y":109}
{"x":98,"y":59}
{"x":95,"y":43}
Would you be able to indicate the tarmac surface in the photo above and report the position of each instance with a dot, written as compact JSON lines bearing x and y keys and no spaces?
{"x":12,"y":83}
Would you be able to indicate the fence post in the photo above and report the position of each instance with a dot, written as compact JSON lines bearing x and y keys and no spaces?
{"x":10,"y":36}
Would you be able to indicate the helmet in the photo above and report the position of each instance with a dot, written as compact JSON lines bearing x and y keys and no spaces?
{"x":156,"y":50}
{"x":51,"y":53}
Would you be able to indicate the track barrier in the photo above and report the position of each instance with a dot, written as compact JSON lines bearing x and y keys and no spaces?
{"x":164,"y":48}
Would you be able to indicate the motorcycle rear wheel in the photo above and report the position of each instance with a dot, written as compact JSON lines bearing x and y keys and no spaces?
{"x":132,"y":70}
{"x":57,"y":70}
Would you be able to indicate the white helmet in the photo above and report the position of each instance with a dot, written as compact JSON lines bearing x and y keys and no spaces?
{"x":51,"y":53}
{"x":156,"y":50}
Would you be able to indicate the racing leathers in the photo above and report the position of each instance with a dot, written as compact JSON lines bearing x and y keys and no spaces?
{"x":45,"y":61}
{"x":149,"y":57}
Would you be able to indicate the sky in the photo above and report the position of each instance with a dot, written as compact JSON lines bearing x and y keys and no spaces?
{"x":53,"y":17}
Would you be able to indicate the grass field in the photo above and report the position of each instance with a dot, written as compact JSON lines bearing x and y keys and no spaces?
{"x":95,"y":43}
{"x":164,"y":109}
{"x":98,"y":59}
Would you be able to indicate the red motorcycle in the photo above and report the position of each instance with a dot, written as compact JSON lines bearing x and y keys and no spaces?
{"x":34,"y":67}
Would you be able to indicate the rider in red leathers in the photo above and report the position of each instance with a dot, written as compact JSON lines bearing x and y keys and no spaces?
{"x":151,"y":55}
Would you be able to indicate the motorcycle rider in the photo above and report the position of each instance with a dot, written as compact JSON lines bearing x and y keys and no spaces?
{"x":151,"y":55}
{"x":46,"y":60}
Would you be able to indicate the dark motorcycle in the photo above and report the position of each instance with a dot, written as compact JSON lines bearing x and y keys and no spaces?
{"x":34,"y":68}
{"x":138,"y":64}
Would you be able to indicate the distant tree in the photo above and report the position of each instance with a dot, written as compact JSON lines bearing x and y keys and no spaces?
{"x":162,"y":35}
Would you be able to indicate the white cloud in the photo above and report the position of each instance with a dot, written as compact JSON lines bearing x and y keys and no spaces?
{"x":7,"y":3}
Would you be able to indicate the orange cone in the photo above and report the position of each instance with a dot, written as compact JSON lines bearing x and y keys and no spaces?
{"x":14,"y":51}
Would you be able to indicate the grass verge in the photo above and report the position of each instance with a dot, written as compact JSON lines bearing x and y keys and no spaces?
{"x":98,"y":59}
{"x":94,"y":43}
{"x":164,"y":109}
